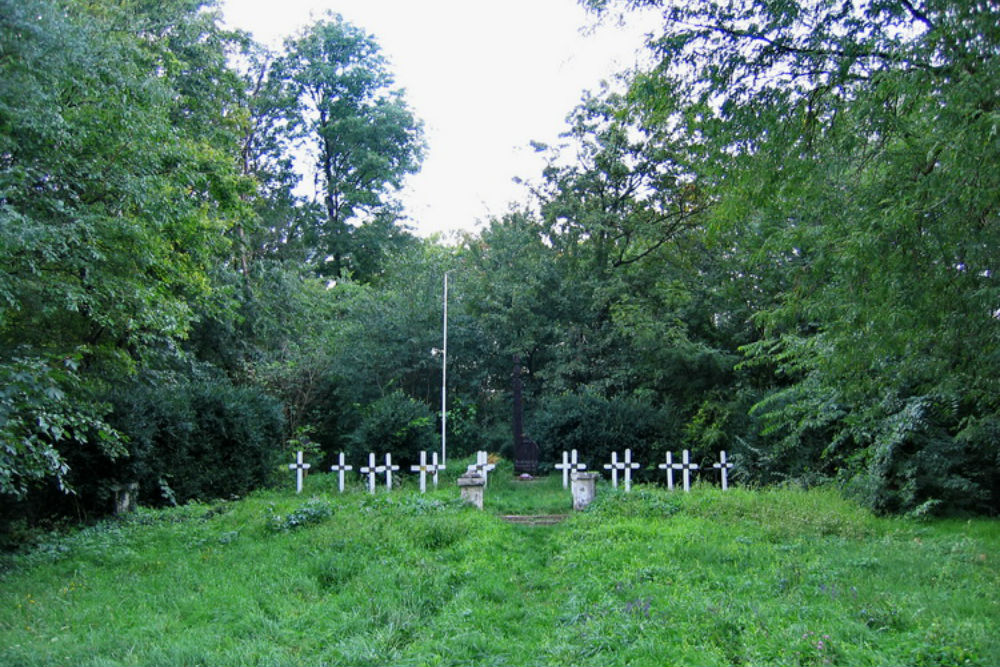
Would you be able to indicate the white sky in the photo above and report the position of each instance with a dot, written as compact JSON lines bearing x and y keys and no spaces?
{"x":485,"y":77}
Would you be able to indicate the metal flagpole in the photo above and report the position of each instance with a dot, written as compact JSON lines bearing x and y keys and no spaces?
{"x":444,"y":377}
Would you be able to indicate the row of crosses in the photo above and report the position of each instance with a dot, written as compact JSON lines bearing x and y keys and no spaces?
{"x":571,"y":464}
{"x":372,"y":470}
{"x":482,"y":466}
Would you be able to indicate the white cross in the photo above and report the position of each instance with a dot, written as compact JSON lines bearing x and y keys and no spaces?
{"x":340,"y":468}
{"x":627,"y":465}
{"x":669,"y":467}
{"x":569,"y":464}
{"x":423,"y":469}
{"x":687,"y":468}
{"x":299,"y":467}
{"x":723,"y":466}
{"x":613,"y":467}
{"x":482,"y":466}
{"x":436,"y":468}
{"x":371,"y":470}
{"x":389,"y":469}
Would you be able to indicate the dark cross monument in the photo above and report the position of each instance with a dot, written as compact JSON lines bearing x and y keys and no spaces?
{"x":525,"y":449}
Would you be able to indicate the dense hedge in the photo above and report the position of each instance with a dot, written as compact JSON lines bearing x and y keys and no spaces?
{"x":197,"y":439}
{"x":595,"y":426}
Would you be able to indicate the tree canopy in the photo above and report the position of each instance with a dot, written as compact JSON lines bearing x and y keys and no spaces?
{"x":780,"y":239}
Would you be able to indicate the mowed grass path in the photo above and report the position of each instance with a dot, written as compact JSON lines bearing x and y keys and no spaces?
{"x":774,"y":577}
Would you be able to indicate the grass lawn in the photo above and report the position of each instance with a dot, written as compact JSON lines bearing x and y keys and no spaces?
{"x":771,"y":577}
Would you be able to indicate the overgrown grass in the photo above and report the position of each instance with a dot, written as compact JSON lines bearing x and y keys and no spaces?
{"x":508,"y":495}
{"x":776,"y":577}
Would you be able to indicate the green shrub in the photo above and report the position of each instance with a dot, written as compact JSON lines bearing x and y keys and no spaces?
{"x":312,"y":512}
{"x":394,"y":423}
{"x":595,"y":426}
{"x":196,"y":439}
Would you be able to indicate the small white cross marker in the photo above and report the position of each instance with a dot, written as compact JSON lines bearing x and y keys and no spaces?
{"x":669,"y":467}
{"x":482,"y":466}
{"x":423,"y":469}
{"x":627,"y":466}
{"x":437,"y":468}
{"x":569,"y":464}
{"x":389,"y":468}
{"x":340,"y":468}
{"x":723,"y":466}
{"x":687,"y":467}
{"x":299,"y":467}
{"x":371,"y":470}
{"x":613,"y":467}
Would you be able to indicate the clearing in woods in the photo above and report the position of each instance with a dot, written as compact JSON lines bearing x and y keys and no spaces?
{"x":768,"y":577}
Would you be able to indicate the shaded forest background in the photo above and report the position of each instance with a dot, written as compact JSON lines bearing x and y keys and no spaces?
{"x":779,"y":240}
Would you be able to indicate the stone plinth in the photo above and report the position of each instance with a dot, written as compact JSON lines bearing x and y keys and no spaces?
{"x":584,"y":485}
{"x":126,"y":496}
{"x":472,"y":485}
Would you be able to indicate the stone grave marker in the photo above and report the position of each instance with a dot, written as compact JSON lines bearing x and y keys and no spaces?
{"x":687,"y":467}
{"x":584,"y":488}
{"x":723,"y":466}
{"x":471,"y":485}
{"x":371,"y":470}
{"x":299,"y":467}
{"x":569,"y":465}
{"x":340,"y":468}
{"x":126,"y":497}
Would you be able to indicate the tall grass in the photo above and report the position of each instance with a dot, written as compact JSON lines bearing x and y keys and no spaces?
{"x":776,"y":577}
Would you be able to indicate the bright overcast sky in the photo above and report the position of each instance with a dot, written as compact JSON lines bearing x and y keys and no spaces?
{"x":485,"y":77}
